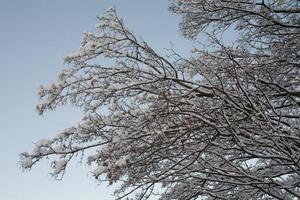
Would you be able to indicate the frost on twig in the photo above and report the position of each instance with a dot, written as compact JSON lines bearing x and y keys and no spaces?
{"x":222,"y":124}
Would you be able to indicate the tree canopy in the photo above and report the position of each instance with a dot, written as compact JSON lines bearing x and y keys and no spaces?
{"x":221,"y":124}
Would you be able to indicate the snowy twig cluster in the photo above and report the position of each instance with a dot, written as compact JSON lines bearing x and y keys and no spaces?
{"x":222,"y":124}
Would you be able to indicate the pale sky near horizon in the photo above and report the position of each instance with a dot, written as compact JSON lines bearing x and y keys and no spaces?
{"x":34,"y":36}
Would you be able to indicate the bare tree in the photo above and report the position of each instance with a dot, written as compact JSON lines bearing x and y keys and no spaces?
{"x":222,"y":124}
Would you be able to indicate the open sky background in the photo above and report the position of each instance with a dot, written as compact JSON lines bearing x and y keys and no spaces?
{"x":34,"y":37}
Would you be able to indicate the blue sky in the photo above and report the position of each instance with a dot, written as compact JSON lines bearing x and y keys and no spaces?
{"x":34,"y":36}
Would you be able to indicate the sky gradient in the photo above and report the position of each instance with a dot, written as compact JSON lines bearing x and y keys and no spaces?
{"x":34,"y":36}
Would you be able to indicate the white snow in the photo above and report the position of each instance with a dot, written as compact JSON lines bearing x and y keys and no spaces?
{"x":27,"y":162}
{"x":43,"y":142}
{"x":99,"y":170}
{"x":59,"y":166}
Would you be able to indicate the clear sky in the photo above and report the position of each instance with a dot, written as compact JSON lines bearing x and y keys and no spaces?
{"x":34,"y":36}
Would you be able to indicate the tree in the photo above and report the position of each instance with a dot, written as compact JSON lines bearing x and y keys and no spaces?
{"x":222,"y":124}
